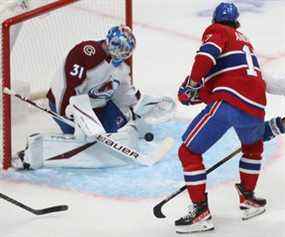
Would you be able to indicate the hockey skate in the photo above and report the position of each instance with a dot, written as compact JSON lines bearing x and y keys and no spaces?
{"x":32,"y":156}
{"x":197,"y":220}
{"x":250,"y":205}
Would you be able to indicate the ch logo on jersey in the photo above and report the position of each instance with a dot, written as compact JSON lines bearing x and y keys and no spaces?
{"x":89,"y":50}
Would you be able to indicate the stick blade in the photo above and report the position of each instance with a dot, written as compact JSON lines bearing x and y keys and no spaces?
{"x":158,"y":212}
{"x":51,"y":210}
{"x":165,"y":146}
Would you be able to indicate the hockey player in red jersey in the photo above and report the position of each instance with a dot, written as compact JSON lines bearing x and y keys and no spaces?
{"x":98,"y":69}
{"x":226,"y":76}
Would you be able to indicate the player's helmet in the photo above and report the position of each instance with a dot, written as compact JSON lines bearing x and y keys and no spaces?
{"x":226,"y":12}
{"x":120,"y":42}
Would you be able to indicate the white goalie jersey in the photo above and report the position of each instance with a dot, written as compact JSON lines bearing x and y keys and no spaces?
{"x":87,"y":70}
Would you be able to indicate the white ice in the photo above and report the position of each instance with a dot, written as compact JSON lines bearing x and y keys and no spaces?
{"x":168,"y":35}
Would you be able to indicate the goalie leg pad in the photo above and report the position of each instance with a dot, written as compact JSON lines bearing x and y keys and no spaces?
{"x":32,"y":156}
{"x":34,"y":152}
{"x":65,"y":128}
{"x":86,"y":122}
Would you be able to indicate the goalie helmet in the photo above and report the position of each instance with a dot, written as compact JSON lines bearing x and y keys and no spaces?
{"x":226,"y":12}
{"x":120,"y":42}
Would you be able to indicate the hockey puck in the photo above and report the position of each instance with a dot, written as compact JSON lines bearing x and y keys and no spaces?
{"x":148,"y":137}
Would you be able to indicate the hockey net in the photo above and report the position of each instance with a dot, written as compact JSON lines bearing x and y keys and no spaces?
{"x":35,"y":42}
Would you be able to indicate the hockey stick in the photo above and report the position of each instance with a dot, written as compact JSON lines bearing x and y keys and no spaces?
{"x":50,"y":112}
{"x":32,"y":210}
{"x":104,"y":140}
{"x":157,"y":210}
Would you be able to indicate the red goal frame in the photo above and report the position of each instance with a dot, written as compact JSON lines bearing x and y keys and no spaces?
{"x":6,"y":65}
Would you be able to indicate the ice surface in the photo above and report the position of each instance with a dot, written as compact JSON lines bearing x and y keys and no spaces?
{"x":134,"y":181}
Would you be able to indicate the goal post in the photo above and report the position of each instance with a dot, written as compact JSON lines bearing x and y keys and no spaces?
{"x":48,"y":32}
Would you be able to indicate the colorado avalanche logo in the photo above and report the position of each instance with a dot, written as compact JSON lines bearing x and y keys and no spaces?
{"x":89,"y":50}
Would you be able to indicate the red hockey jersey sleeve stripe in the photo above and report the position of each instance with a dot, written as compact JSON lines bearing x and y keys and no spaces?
{"x":212,"y":48}
{"x":215,"y":45}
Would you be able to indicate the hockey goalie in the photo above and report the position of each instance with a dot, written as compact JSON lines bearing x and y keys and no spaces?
{"x":102,"y":116}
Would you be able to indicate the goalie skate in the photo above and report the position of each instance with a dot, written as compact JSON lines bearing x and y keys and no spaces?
{"x":18,"y":161}
{"x":32,"y":156}
{"x":198,"y":219}
{"x":250,"y":205}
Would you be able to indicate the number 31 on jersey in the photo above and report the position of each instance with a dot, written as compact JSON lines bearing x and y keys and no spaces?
{"x":77,"y":71}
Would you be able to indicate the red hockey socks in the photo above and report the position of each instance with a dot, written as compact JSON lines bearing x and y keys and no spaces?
{"x":250,"y":165}
{"x":194,"y":173}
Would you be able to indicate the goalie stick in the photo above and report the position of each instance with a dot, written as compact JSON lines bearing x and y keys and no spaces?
{"x":106,"y":141}
{"x":50,"y":112}
{"x":32,"y":210}
{"x":157,"y":210}
{"x":164,"y":147}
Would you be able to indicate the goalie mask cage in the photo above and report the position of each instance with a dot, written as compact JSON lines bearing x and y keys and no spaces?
{"x":30,"y":57}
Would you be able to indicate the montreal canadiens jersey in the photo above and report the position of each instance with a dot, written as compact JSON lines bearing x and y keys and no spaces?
{"x":230,"y":70}
{"x":86,"y":66}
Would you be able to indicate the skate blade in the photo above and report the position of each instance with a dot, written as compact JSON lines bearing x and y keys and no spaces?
{"x":201,"y":226}
{"x":252,"y":212}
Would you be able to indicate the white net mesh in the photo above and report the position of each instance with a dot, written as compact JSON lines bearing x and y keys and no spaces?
{"x":40,"y":45}
{"x":45,"y":41}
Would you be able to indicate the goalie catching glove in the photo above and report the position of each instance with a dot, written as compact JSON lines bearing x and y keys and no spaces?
{"x":189,"y":94}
